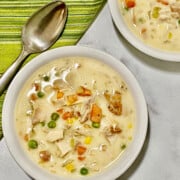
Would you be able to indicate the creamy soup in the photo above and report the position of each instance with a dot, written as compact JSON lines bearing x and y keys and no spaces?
{"x":75,"y":116}
{"x":155,"y":22}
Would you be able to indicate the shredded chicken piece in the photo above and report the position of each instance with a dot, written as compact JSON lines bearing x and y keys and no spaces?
{"x":55,"y":135}
{"x":175,"y":15}
{"x":81,"y":132}
{"x":85,"y":116}
{"x":103,"y":147}
{"x":64,"y":147}
{"x":115,"y":129}
{"x":94,"y":167}
{"x":48,"y":89}
{"x":175,"y":7}
{"x":115,"y":105}
{"x":111,"y":131}
{"x":60,"y":84}
{"x":38,"y":116}
{"x":29,"y":128}
{"x":87,"y":109}
{"x":164,"y":15}
{"x":168,"y":14}
{"x":68,"y":161}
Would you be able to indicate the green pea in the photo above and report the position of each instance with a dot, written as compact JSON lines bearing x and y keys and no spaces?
{"x":123,"y":146}
{"x":84,"y":171}
{"x":95,"y":125}
{"x":33,"y":144}
{"x":42,"y":123}
{"x":40,"y":94}
{"x":46,"y":78}
{"x":142,"y":20}
{"x":51,"y":124}
{"x":54,"y":116}
{"x":126,"y":8}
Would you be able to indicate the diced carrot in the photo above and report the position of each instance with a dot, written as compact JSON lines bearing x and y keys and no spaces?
{"x":26,"y":137}
{"x":81,"y":150}
{"x":60,"y":111}
{"x":130,"y":3}
{"x":60,"y":94}
{"x":163,"y":2}
{"x":66,"y":115}
{"x":72,"y":98}
{"x":44,"y":155}
{"x":96,"y":113}
{"x":143,"y":30}
{"x":81,"y":158}
{"x":37,"y":86}
{"x":77,"y":114}
{"x":33,"y":97}
{"x":82,"y":91}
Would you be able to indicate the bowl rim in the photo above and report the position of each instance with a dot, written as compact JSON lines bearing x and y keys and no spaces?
{"x":135,"y":41}
{"x":10,"y":99}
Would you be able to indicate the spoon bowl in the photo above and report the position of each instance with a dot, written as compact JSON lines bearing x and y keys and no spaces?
{"x":39,"y":33}
{"x":44,"y":27}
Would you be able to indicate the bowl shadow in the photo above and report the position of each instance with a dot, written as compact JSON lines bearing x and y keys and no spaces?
{"x":168,"y":66}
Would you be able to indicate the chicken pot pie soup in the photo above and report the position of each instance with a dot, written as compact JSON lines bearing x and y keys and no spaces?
{"x":75,"y":116}
{"x":155,"y":22}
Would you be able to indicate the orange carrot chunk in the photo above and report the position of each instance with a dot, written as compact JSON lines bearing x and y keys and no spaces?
{"x":33,"y":97}
{"x":82,"y":91}
{"x":81,"y":158}
{"x":60,"y":111}
{"x":96,"y":113}
{"x":60,"y":94}
{"x":163,"y":2}
{"x":130,"y":3}
{"x":81,"y":150}
{"x":66,"y":115}
{"x":72,"y":98}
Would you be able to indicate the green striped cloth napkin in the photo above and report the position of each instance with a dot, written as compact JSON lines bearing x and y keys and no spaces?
{"x":14,"y":14}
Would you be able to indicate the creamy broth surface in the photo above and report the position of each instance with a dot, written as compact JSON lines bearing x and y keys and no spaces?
{"x":155,"y":22}
{"x":75,"y":116}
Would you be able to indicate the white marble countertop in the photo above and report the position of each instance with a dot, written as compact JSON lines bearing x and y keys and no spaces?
{"x":160,"y":82}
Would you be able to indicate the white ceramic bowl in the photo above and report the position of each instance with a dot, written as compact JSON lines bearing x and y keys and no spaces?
{"x":136,"y":42}
{"x":120,"y":166}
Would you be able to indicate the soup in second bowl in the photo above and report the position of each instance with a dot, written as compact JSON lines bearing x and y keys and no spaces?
{"x":75,"y":116}
{"x":155,"y":22}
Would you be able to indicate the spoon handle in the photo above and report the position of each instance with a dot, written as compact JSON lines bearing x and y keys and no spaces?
{"x":12,"y":70}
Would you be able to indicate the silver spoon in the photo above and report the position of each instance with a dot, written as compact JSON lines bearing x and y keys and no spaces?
{"x":39,"y":33}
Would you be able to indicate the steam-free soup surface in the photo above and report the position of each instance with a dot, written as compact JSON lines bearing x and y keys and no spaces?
{"x":75,"y":116}
{"x":155,"y":22}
